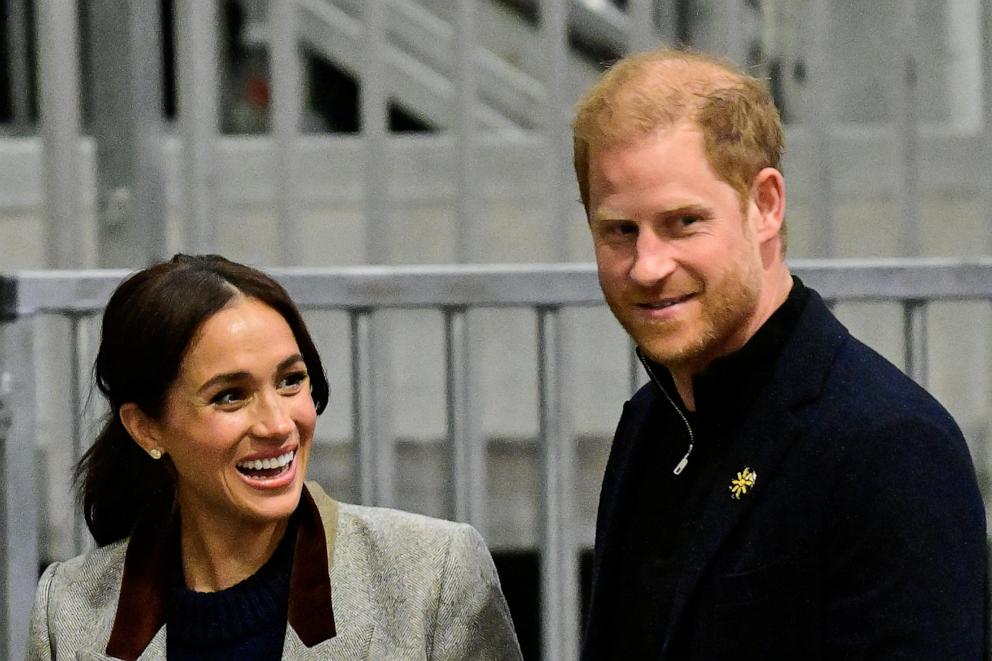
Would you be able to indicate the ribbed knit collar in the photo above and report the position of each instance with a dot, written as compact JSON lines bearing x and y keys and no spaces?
{"x":210,"y":618}
{"x":148,"y":563}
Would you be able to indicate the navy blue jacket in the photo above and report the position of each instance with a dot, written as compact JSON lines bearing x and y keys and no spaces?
{"x":863,"y":536}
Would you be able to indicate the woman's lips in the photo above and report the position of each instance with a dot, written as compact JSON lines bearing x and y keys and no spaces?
{"x":269,"y":473}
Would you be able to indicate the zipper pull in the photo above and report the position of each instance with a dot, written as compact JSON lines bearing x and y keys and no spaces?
{"x":682,"y":464}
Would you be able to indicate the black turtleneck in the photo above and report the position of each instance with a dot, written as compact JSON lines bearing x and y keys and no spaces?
{"x":664,"y":504}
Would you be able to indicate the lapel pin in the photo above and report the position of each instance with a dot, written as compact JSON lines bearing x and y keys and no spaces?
{"x":745,"y":480}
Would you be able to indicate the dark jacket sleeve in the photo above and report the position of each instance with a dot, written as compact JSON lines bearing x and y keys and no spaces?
{"x":905,"y":567}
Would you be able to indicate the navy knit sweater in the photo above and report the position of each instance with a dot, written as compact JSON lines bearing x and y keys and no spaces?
{"x":246,"y":622}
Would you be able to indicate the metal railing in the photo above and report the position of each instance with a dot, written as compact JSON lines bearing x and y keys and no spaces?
{"x":363,"y":293}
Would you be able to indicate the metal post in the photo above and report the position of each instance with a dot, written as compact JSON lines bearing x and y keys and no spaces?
{"x":197,"y":32}
{"x":636,"y":373}
{"x":19,"y":491}
{"x":559,"y":570}
{"x":467,"y":448}
{"x":126,"y":93}
{"x":915,"y":340}
{"x":554,"y":44}
{"x":986,"y":41}
{"x":643,"y":33}
{"x":907,"y":138}
{"x":79,"y":364}
{"x":819,"y":120}
{"x":363,"y":413}
{"x":466,"y":143}
{"x":732,"y":30}
{"x":17,"y":58}
{"x":58,"y":78}
{"x":287,"y":94}
{"x":374,"y":110}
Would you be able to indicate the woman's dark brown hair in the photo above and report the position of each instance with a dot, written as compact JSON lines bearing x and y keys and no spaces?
{"x":147,"y":327}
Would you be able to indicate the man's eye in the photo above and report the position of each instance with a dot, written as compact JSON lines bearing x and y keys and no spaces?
{"x":689,"y":220}
{"x":621,"y":229}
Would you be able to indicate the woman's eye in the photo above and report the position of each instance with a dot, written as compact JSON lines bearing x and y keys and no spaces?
{"x":227,"y":397}
{"x":293,"y":381}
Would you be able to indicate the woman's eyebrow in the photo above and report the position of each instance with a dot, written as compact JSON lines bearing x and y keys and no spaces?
{"x":234,"y":377}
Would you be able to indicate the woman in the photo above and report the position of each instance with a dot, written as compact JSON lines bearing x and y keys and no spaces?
{"x":210,"y":544}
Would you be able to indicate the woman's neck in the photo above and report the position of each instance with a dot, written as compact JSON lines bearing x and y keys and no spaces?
{"x":218,"y":555}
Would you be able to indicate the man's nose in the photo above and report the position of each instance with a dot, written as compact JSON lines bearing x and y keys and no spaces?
{"x":272,"y":416}
{"x":653,"y":259}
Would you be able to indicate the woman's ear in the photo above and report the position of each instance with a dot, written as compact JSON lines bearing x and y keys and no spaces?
{"x":768,"y":194}
{"x":141,"y":428}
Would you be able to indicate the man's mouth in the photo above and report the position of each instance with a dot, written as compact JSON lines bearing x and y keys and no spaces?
{"x":665,"y":302}
{"x":266,"y":469}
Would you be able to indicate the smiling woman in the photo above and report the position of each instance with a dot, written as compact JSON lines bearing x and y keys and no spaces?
{"x":211,"y":546}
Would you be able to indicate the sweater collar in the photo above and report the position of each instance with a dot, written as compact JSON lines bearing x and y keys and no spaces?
{"x":725,"y":390}
{"x":142,"y":606}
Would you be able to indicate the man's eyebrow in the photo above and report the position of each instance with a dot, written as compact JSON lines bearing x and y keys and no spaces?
{"x":234,"y":377}
{"x":602,"y":215}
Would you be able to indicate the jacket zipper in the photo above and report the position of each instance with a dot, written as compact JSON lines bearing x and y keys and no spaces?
{"x":679,"y":467}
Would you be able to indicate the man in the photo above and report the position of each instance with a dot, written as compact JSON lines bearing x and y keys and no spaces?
{"x":777,"y":490}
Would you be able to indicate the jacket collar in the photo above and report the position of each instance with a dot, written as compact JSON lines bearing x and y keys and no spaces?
{"x":141,"y":608}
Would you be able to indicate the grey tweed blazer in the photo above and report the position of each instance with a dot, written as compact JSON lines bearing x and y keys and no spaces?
{"x":404,"y":587}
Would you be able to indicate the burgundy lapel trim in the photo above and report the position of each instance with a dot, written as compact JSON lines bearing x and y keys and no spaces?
{"x":311,"y":613}
{"x":144,"y":586}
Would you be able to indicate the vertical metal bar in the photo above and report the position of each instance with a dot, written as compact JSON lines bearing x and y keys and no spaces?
{"x":915,"y":340}
{"x":77,"y":386}
{"x":467,"y":448}
{"x":559,"y":569}
{"x":667,"y":21}
{"x":286,"y":105}
{"x":641,"y":19}
{"x":819,"y":120}
{"x":986,"y":41}
{"x":636,"y":374}
{"x":197,"y":32}
{"x":554,"y":44}
{"x":374,"y":108}
{"x":19,"y":492}
{"x":733,"y":32}
{"x":907,"y":129}
{"x":58,"y":78}
{"x":20,"y":76}
{"x":125,"y":89}
{"x":466,"y":144}
{"x":363,"y":407}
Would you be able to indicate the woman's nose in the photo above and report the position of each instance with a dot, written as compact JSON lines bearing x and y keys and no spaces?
{"x":273,"y":418}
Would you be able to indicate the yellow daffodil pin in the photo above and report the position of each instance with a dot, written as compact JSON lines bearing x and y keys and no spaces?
{"x":745,"y":480}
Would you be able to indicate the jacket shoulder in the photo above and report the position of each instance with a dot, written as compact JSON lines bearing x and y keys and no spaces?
{"x":76,"y":600}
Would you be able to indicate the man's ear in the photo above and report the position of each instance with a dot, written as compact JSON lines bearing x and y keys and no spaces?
{"x":768,"y":195}
{"x":142,"y":428}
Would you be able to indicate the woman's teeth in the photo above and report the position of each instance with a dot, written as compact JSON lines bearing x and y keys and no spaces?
{"x":275,"y":463}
